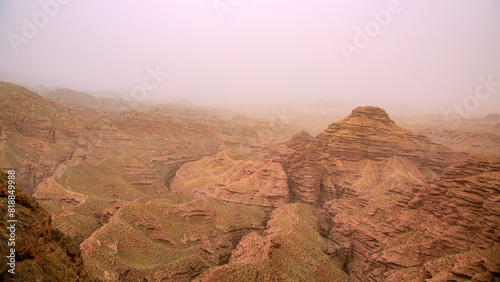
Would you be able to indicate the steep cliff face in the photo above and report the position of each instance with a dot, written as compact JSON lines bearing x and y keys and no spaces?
{"x":394,"y":200}
{"x":466,"y":201}
{"x":468,"y":197}
{"x":375,"y":135}
{"x":369,"y":134}
{"x":364,"y":152}
{"x":38,"y":135}
{"x":42,"y":253}
{"x":399,"y":204}
{"x":303,"y":169}
{"x":91,"y":171}
{"x":78,"y":163}
{"x":446,"y":230}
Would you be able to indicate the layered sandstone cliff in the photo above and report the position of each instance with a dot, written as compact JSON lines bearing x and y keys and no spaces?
{"x":397,"y":203}
{"x":403,"y":207}
{"x":177,"y":193}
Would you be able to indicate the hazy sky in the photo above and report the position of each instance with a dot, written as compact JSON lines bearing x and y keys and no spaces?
{"x":419,"y":53}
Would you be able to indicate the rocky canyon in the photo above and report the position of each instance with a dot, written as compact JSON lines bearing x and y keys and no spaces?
{"x":175,"y":192}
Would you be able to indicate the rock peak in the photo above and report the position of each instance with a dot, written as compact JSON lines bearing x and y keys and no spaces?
{"x":302,"y":134}
{"x":368,"y":115}
{"x":369,"y":133}
{"x":370,"y":111}
{"x":299,"y":138}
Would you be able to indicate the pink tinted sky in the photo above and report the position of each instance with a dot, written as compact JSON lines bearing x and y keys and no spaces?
{"x":430,"y":55}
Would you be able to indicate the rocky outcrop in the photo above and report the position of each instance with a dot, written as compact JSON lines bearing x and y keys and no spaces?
{"x":369,"y":134}
{"x":231,"y":180}
{"x":379,"y":185}
{"x":403,"y":232}
{"x":136,"y":173}
{"x":78,"y":163}
{"x":42,"y":252}
{"x":467,"y":197}
{"x":291,"y":249}
{"x":303,"y":169}
{"x":392,"y":201}
{"x":365,"y":150}
{"x":396,"y":206}
{"x":39,"y":134}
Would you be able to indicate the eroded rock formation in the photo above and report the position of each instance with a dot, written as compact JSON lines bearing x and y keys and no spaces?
{"x":397,"y":204}
{"x":291,"y":249}
{"x":42,"y":252}
{"x":261,"y":184}
{"x":167,"y":238}
{"x":177,"y":193}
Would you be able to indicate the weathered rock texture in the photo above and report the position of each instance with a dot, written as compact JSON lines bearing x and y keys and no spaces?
{"x":453,"y":221}
{"x":303,"y":169}
{"x":396,"y":202}
{"x":177,"y":193}
{"x":42,"y":252}
{"x":166,"y":239}
{"x":291,"y":249}
{"x":234,"y":181}
{"x":84,"y":167}
{"x":78,"y":162}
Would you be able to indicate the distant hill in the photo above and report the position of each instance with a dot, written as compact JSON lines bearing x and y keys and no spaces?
{"x":77,"y":99}
{"x":72,"y":97}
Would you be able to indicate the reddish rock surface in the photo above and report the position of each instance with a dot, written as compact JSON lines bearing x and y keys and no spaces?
{"x":396,"y":202}
{"x":42,"y":253}
{"x":261,"y":184}
{"x":179,"y":193}
{"x":291,"y":249}
{"x":402,"y":206}
{"x":303,"y":169}
{"x":166,"y":238}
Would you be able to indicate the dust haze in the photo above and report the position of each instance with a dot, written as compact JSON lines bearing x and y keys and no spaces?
{"x":425,"y":56}
{"x":249,"y":140}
